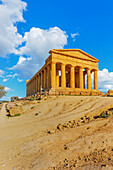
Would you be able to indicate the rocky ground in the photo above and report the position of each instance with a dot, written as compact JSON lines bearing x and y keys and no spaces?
{"x":62,"y":132}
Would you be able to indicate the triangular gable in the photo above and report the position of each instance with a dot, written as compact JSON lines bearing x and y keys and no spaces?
{"x":76,"y":53}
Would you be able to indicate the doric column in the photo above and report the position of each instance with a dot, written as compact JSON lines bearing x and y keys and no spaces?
{"x":84,"y":79}
{"x":36,"y":84}
{"x":30,"y":87}
{"x":53,"y":74}
{"x":63,"y":76}
{"x":57,"y":78}
{"x":72,"y":77}
{"x":45,"y":79}
{"x":33,"y":86}
{"x":95,"y":80}
{"x":88,"y":79}
{"x":48,"y":76}
{"x":41,"y":80}
{"x":81,"y":77}
{"x":27,"y":89}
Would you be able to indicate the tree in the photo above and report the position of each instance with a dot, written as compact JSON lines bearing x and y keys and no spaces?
{"x":2,"y":91}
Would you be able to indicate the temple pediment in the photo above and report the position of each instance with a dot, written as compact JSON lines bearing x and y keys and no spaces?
{"x":75,"y":53}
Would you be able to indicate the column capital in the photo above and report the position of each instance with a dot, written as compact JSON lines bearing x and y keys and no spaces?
{"x":53,"y":62}
{"x":96,"y":70}
{"x":45,"y":68}
{"x":72,"y":66}
{"x":62,"y":64}
{"x":48,"y":66}
{"x":81,"y":67}
{"x":88,"y":69}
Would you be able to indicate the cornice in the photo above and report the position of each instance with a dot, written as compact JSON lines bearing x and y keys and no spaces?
{"x":59,"y":51}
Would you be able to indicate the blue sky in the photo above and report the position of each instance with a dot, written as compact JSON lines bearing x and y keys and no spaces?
{"x":29,"y":29}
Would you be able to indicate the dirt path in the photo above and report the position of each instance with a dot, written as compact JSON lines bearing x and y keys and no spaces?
{"x":3,"y":117}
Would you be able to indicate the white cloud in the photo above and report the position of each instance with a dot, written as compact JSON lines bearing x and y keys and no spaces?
{"x":105,"y":80}
{"x":74,"y":35}
{"x":1,"y":73}
{"x":7,"y":89}
{"x":4,"y":80}
{"x":11,"y":12}
{"x":38,"y":43}
{"x":12,"y":76}
{"x":21,"y":59}
{"x":19,"y":80}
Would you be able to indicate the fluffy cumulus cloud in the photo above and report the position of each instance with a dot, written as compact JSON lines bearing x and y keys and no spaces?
{"x":105,"y":80}
{"x":11,"y":12}
{"x":38,"y":43}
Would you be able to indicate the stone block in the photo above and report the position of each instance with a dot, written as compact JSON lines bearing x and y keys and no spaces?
{"x":14,"y":110}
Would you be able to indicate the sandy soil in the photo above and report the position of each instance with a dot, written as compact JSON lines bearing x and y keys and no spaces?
{"x":35,"y":141}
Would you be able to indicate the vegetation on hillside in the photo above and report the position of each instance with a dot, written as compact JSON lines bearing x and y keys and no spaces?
{"x":2,"y":91}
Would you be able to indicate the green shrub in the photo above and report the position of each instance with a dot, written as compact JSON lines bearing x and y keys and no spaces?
{"x":32,"y":107}
{"x":31,"y":99}
{"x":39,"y":98}
{"x":36,"y":114}
{"x":105,"y":115}
{"x":15,"y":115}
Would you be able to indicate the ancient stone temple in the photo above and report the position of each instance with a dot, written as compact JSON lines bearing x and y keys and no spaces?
{"x":66,"y":71}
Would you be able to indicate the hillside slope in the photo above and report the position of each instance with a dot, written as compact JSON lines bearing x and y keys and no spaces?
{"x":64,"y":132}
